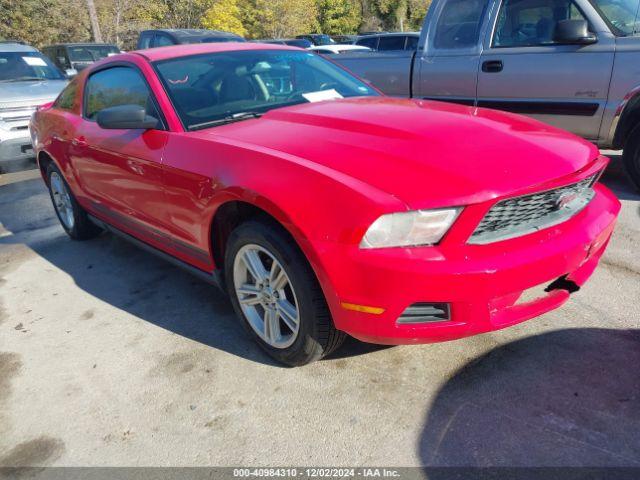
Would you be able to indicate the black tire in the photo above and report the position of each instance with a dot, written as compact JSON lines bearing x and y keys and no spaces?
{"x":317,"y":336}
{"x":631,"y":157}
{"x":83,"y":228}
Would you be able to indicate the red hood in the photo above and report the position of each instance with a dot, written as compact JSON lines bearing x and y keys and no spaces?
{"x":424,"y":153}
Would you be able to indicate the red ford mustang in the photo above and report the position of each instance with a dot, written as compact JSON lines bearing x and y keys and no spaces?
{"x":320,"y":205}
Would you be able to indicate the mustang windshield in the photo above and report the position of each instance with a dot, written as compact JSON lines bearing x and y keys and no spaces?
{"x":207,"y":89}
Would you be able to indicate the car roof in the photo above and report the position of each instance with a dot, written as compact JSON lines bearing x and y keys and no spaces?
{"x":85,"y":44}
{"x":177,"y":51}
{"x":194,"y":32}
{"x":391,"y":34}
{"x":16,"y":47}
{"x":339,"y":47}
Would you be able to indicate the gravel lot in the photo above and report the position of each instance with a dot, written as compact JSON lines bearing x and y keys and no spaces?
{"x":111,"y":357}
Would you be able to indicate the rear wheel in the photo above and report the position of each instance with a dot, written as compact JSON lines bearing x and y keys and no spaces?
{"x":72,"y":216}
{"x":277,"y":296}
{"x":631,"y":156}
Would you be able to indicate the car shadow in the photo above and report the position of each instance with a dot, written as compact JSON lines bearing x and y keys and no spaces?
{"x":565,"y":398}
{"x":616,"y":179}
{"x":131,"y":279}
{"x":124,"y":276}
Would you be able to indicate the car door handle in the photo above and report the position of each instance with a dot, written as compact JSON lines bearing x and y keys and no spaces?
{"x":492,"y":66}
{"x":79,"y":142}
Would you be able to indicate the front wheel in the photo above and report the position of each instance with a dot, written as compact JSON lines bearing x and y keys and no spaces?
{"x":631,"y":156}
{"x":277,"y":296}
{"x":72,"y":216}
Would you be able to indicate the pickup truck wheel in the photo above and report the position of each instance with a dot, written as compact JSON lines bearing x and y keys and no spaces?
{"x":277,"y":296}
{"x":631,"y":156}
{"x":72,"y":216}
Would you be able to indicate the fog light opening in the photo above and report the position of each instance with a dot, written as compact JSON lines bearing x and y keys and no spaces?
{"x":563,"y":283}
{"x":424,"y":312}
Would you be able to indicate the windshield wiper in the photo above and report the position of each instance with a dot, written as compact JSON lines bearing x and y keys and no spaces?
{"x":21,"y":79}
{"x":236,"y":117}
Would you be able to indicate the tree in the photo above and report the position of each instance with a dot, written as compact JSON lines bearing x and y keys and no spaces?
{"x":339,"y":16}
{"x":279,"y":18}
{"x":43,"y":22}
{"x":122,"y":20}
{"x":224,"y":15}
{"x":184,"y":13}
{"x":93,"y":18}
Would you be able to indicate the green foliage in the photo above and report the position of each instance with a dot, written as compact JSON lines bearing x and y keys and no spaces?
{"x":43,"y":22}
{"x":339,"y":16}
{"x":224,"y":15}
{"x":280,"y":18}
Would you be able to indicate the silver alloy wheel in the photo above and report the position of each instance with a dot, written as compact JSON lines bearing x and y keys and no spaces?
{"x":266,"y":296}
{"x":62,"y":200}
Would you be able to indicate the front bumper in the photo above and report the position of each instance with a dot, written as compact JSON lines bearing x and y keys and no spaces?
{"x":15,"y":146}
{"x":482,"y":283}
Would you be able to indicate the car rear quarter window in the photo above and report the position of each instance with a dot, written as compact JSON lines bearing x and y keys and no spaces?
{"x":116,"y":86}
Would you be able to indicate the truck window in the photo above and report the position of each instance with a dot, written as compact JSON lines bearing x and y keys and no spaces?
{"x":145,"y":41}
{"x":163,"y":41}
{"x":392,"y":42}
{"x":621,"y":15}
{"x":528,"y":23}
{"x":412,"y":43}
{"x":459,"y":24}
{"x":371,"y":42}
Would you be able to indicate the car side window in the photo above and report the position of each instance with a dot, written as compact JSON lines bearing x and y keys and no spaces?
{"x":459,"y":24}
{"x":145,"y":41}
{"x":371,"y":42}
{"x":67,"y":98}
{"x":412,"y":43}
{"x":117,"y":86}
{"x":61,"y":58}
{"x":392,"y":42}
{"x":529,"y":23}
{"x":163,"y":41}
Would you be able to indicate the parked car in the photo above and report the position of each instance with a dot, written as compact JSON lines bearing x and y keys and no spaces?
{"x":180,"y":36}
{"x":390,"y":41}
{"x":568,"y":63}
{"x":318,"y":39}
{"x":344,"y":39}
{"x":292,"y":42}
{"x":74,"y":57}
{"x":339,"y":49}
{"x":28,"y":80}
{"x":323,"y":207}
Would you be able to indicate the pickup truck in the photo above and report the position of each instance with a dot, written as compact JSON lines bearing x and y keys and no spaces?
{"x":574,"y":64}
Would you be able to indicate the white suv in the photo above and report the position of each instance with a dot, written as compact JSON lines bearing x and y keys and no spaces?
{"x":28,"y":79}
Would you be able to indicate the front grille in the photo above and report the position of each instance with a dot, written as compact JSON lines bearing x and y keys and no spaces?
{"x":518,"y":216}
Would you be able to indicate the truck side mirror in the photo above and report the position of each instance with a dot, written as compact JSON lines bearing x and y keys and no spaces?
{"x":573,"y":32}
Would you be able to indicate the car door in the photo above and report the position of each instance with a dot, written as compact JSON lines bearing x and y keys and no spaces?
{"x":120,"y":171}
{"x":524,"y":71}
{"x":446,"y":67}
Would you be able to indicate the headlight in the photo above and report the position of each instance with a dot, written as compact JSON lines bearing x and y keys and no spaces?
{"x":419,"y":227}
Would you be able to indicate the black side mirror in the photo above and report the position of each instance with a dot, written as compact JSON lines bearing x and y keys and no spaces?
{"x":131,"y":117}
{"x":573,"y":32}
